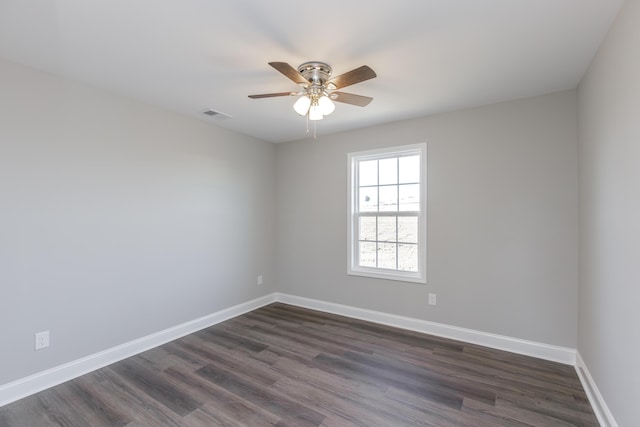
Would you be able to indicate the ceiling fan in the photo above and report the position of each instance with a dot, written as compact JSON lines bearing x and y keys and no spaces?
{"x":319,"y":89}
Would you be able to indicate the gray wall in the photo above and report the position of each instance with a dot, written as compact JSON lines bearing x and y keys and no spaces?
{"x":118,"y":219}
{"x":502,"y":219}
{"x":609,"y":156}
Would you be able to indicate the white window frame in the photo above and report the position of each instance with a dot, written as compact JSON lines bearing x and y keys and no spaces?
{"x":353,"y":214}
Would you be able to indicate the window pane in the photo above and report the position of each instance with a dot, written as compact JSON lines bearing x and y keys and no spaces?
{"x":408,"y":229}
{"x":387,"y":228}
{"x":409,"y":169}
{"x":367,"y":255}
{"x":389,"y":171}
{"x":387,"y":255}
{"x":389,"y":198}
{"x":408,"y":257}
{"x":368,"y":199}
{"x":368,"y":172}
{"x":410,"y":197}
{"x":367,"y":228}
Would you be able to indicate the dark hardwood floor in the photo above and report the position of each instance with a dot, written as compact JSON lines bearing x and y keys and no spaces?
{"x":287,"y":366}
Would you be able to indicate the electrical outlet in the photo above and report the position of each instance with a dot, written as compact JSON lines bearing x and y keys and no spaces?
{"x":432,"y":299}
{"x":259,"y":280}
{"x":42,"y":340}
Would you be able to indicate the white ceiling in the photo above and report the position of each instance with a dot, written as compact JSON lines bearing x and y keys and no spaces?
{"x":191,"y":55}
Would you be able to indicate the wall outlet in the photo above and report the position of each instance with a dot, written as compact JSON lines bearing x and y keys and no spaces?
{"x":42,"y":340}
{"x":260,"y":280}
{"x":432,"y":299}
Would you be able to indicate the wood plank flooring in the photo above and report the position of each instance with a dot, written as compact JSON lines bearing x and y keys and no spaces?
{"x":287,"y":366}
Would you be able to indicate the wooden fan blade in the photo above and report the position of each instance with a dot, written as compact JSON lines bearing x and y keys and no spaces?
{"x":290,"y":72}
{"x":349,"y":98}
{"x":271,"y":95}
{"x":358,"y":75}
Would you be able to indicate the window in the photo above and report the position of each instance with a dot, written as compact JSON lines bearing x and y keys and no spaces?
{"x":387,"y":213}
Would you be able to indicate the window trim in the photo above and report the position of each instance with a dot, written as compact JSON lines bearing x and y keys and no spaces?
{"x":352,"y":189}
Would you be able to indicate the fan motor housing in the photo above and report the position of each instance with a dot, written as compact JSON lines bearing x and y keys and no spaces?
{"x":317,"y":73}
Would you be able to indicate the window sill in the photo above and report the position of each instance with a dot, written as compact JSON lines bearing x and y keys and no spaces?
{"x":398,"y":277}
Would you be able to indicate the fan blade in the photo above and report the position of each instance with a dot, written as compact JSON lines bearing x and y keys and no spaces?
{"x":271,"y":95}
{"x":358,"y":75}
{"x":290,"y":72}
{"x":349,"y":98}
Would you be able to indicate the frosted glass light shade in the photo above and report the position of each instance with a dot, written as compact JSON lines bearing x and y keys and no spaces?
{"x":326,"y":105}
{"x":315,"y":113}
{"x":302,"y":105}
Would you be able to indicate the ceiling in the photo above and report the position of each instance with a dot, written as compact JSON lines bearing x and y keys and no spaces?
{"x":188,"y":56}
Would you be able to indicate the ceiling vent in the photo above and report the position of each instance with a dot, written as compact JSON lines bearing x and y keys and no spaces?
{"x":216,"y":114}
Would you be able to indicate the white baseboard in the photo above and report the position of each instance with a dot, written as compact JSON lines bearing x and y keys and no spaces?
{"x":51,"y":377}
{"x":515,"y":345}
{"x":500,"y":342}
{"x":604,"y":415}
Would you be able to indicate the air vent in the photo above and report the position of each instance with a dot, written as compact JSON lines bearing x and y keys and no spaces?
{"x":216,"y":114}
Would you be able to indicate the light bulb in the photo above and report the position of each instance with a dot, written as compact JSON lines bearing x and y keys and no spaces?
{"x":326,"y":105}
{"x":315,"y":113}
{"x":302,"y":105}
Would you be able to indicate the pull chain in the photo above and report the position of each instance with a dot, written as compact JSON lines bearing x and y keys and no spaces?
{"x":314,"y":126}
